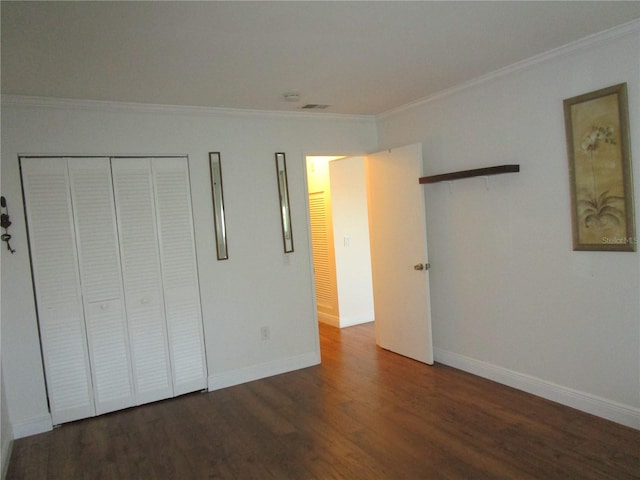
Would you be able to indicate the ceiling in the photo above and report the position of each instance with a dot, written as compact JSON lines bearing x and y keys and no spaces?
{"x":357,"y":57}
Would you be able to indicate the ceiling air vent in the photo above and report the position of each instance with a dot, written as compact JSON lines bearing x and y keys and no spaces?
{"x":314,"y":106}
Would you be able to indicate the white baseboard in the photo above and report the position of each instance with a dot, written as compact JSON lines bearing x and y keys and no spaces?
{"x":256,"y":372}
{"x":32,"y":426}
{"x":342,"y":321}
{"x":329,"y":319}
{"x":355,"y":320}
{"x":601,"y":407}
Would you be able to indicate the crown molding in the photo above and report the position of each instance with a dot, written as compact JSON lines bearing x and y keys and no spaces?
{"x":611,"y":34}
{"x":27,"y":101}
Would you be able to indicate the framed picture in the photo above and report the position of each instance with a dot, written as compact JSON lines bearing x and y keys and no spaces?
{"x":597,"y":129}
{"x":285,"y":209}
{"x":219,"y":221}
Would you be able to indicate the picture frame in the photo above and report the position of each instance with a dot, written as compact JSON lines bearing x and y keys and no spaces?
{"x":217,"y":194}
{"x":284,"y":207}
{"x":598,"y":147}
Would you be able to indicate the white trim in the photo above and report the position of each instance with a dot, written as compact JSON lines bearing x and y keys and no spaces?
{"x":256,"y":372}
{"x":589,"y":41}
{"x":586,"y":402}
{"x":115,"y":106}
{"x":355,"y":320}
{"x":332,"y":320}
{"x":32,"y":426}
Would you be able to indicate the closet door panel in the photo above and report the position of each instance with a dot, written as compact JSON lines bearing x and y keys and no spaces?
{"x":144,"y":301}
{"x":57,"y":288}
{"x":179,"y":273}
{"x":101,"y":281}
{"x":109,"y":355}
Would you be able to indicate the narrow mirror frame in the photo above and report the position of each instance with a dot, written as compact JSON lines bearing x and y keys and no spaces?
{"x":219,"y":220}
{"x":285,"y":210}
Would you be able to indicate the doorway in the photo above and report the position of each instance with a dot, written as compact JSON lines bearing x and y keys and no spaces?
{"x":340,"y":239}
{"x":379,"y":199}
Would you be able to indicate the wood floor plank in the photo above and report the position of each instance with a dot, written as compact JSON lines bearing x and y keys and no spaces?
{"x":365,"y":413}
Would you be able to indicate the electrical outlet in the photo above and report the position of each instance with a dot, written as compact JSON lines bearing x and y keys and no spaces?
{"x":265,"y":334}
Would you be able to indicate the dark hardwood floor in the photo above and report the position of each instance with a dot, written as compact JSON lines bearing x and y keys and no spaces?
{"x":365,"y":413}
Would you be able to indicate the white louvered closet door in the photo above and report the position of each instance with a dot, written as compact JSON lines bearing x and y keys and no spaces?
{"x":179,"y":273}
{"x":57,"y":288}
{"x":324,"y":263}
{"x":101,"y":281}
{"x":135,"y":207}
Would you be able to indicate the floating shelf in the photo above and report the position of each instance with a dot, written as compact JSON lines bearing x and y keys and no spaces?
{"x":477,"y":172}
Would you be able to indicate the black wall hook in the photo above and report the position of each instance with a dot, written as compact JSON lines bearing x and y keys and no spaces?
{"x":5,"y":223}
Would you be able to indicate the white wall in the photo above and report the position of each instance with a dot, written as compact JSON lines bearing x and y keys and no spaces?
{"x":6,"y":433}
{"x":353,"y":255}
{"x":510,"y":299}
{"x":257,"y":286}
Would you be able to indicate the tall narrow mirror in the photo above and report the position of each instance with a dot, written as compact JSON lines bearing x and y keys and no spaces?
{"x":285,"y":213}
{"x":218,"y":205}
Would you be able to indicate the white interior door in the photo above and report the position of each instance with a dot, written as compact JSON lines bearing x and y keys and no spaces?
{"x":324,"y":262}
{"x":179,"y":273}
{"x":399,"y":260}
{"x":52,"y":244}
{"x":101,"y":283}
{"x":144,"y":303}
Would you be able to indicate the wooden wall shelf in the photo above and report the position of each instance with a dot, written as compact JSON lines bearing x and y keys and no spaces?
{"x":477,"y":172}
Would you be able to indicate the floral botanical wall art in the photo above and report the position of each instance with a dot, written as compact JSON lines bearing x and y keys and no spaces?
{"x":597,"y":129}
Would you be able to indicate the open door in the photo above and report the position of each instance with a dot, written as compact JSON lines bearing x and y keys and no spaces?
{"x":399,"y":259}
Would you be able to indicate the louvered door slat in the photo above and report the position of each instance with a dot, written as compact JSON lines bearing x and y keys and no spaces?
{"x":144,"y":302}
{"x":101,"y":280}
{"x":57,"y":288}
{"x":179,"y":273}
{"x":324,"y":273}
